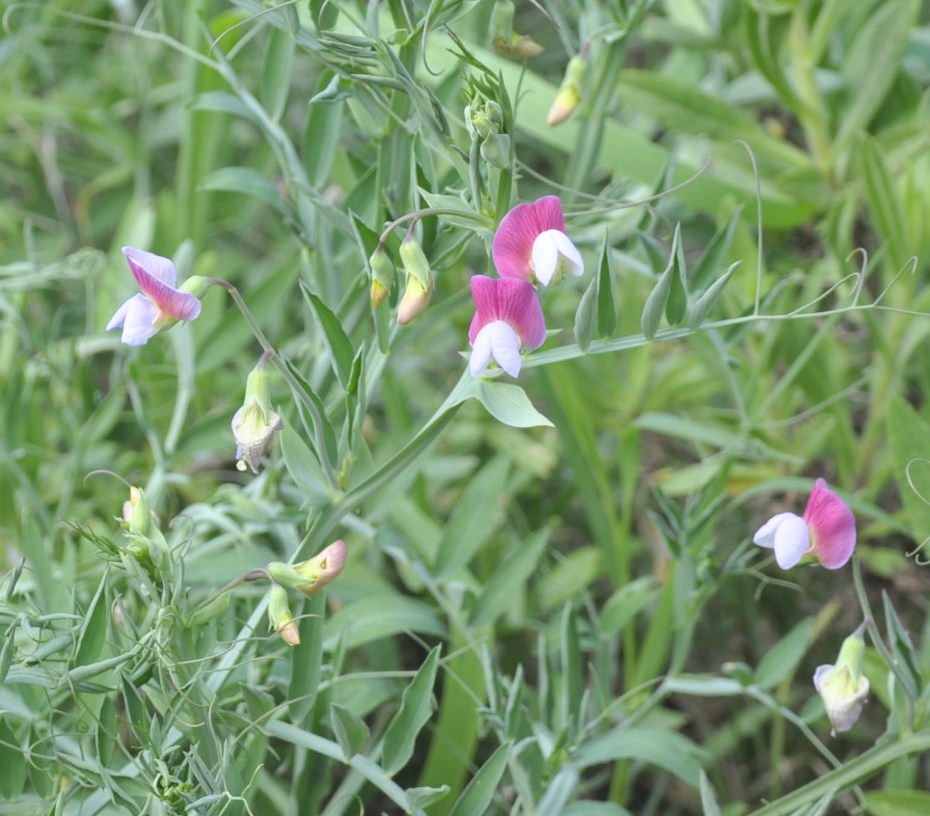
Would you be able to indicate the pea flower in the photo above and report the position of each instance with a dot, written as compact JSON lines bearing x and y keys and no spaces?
{"x":826,"y":531}
{"x":842,"y":687}
{"x":531,"y":244}
{"x":160,"y":305}
{"x":312,"y":575}
{"x":508,"y":319}
{"x":255,"y":423}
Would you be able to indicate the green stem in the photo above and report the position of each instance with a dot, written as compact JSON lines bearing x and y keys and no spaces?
{"x":876,"y":637}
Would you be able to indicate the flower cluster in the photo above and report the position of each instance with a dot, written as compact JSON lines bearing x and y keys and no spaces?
{"x":826,"y":532}
{"x":530,"y":247}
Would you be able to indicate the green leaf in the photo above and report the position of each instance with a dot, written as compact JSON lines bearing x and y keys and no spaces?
{"x":507,"y":403}
{"x":323,"y":130}
{"x":699,"y":308}
{"x":380,"y":616}
{"x":94,"y":631}
{"x":782,"y":659}
{"x":902,"y":648}
{"x":656,"y":746}
{"x":586,"y":314}
{"x":351,"y":732}
{"x":340,"y":347}
{"x":626,"y":603}
{"x":250,"y":181}
{"x":307,"y":659}
{"x":656,"y":303}
{"x":12,"y":761}
{"x":715,"y":254}
{"x":708,"y":799}
{"x":423,"y":797}
{"x":873,"y":62}
{"x":606,"y":295}
{"x":909,"y":437}
{"x":416,"y":707}
{"x":223,"y":102}
{"x":478,"y":795}
{"x":677,"y":302}
{"x":276,"y":71}
{"x":304,"y":468}
{"x":508,"y":581}
{"x":884,"y":201}
{"x":476,"y":515}
{"x":898,"y":803}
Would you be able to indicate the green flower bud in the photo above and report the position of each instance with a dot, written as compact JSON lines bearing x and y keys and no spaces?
{"x":255,"y":423}
{"x":280,"y":617}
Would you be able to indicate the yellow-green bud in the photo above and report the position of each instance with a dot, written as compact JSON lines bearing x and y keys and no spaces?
{"x":569,"y":94}
{"x":381,"y":276}
{"x":416,"y":298}
{"x":279,"y":614}
{"x":414,"y":261}
{"x":196,"y":285}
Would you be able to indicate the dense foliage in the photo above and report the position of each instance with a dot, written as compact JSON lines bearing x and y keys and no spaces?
{"x":551,"y":602}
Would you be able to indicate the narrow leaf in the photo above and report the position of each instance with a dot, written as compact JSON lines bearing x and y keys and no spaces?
{"x":416,"y":706}
{"x":340,"y":347}
{"x":606,"y":295}
{"x":658,"y":298}
{"x":478,"y":795}
{"x":699,"y":309}
{"x":715,"y":253}
{"x":94,"y":631}
{"x":350,"y":730}
{"x":784,"y":656}
{"x":276,"y":71}
{"x":509,"y":580}
{"x":475,"y":517}
{"x":586,"y":314}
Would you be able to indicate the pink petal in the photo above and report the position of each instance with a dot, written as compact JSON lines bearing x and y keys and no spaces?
{"x":161,"y":268}
{"x":511,"y":300}
{"x":832,"y":525}
{"x":512,"y":247}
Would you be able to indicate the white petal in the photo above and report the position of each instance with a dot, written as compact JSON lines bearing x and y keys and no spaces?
{"x":480,"y":353}
{"x":765,"y":535}
{"x":500,"y":341}
{"x":792,"y":540}
{"x":554,"y":252}
{"x":138,"y":325}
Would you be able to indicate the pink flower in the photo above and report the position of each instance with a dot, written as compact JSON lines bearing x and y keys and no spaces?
{"x":531,"y":244}
{"x":508,"y":319}
{"x":827,"y":531}
{"x":160,"y":304}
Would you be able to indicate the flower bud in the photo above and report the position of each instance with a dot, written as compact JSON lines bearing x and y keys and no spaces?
{"x":312,"y":575}
{"x":381,"y":276}
{"x":255,"y":423}
{"x":414,"y":261}
{"x":495,"y":150}
{"x":196,"y":285}
{"x":842,"y":687}
{"x":146,"y":543}
{"x":416,"y":298}
{"x":279,"y":614}
{"x":569,"y":93}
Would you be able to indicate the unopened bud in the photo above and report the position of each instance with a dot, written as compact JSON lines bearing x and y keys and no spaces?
{"x":279,"y":614}
{"x":414,"y":261}
{"x":381,"y":276}
{"x":842,"y":687}
{"x":196,"y":285}
{"x":569,"y":94}
{"x":495,"y":150}
{"x":416,"y":298}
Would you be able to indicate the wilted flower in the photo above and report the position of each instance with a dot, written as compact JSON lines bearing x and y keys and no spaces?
{"x":160,"y":305}
{"x":312,"y":575}
{"x":279,"y":614}
{"x":827,"y":531}
{"x":842,"y":687}
{"x":504,"y":39}
{"x":508,"y":319}
{"x":531,"y":244}
{"x":255,"y":423}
